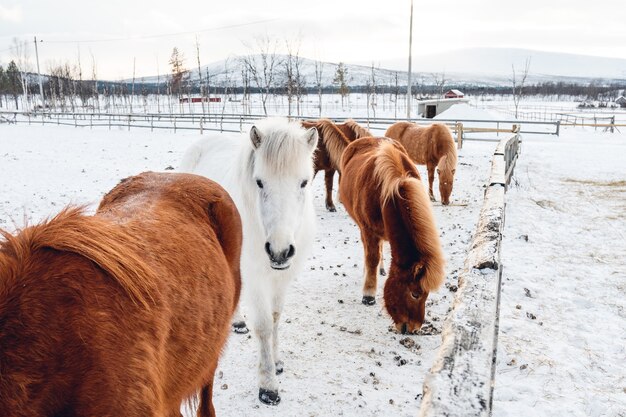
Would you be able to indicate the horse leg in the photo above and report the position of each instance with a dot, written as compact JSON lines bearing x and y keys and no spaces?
{"x":277,"y":310}
{"x":239,"y":325}
{"x":373,"y":247}
{"x":329,"y":176}
{"x":381,"y":266}
{"x":338,"y":182}
{"x":205,"y":408}
{"x":263,"y":328}
{"x":431,"y":179}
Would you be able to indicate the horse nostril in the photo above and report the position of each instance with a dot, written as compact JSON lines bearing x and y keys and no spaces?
{"x":292,"y":251}
{"x":404,"y":328}
{"x":267,"y":248}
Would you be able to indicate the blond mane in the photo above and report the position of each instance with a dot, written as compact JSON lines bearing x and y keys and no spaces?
{"x":359,"y":131}
{"x":407,"y":193}
{"x":333,"y":138}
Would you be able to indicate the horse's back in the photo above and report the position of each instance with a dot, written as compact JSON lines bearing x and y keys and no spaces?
{"x":80,"y":333}
{"x":215,"y":157}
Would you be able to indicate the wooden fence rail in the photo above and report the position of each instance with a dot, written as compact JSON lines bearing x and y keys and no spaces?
{"x":460,"y":382}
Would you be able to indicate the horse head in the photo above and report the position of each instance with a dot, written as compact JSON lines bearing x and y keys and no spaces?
{"x":446,"y":171}
{"x":405,"y":297}
{"x":282,"y":170}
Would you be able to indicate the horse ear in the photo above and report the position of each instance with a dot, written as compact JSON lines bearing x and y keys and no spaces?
{"x":255,"y":137}
{"x":312,"y":137}
{"x":418,"y":270}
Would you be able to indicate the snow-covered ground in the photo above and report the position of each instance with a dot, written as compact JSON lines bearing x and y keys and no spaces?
{"x":561,"y":352}
{"x":340,"y":358}
{"x":562,"y":342}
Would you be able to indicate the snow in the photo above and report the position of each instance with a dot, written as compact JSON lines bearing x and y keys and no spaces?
{"x":567,"y":196}
{"x":340,"y":358}
{"x":466,"y":111}
{"x":562,"y":342}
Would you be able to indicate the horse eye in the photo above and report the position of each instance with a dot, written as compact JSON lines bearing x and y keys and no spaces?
{"x":259,"y":183}
{"x":415,"y":295}
{"x":304,"y":183}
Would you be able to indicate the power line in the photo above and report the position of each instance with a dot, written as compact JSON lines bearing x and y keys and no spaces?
{"x":166,"y":34}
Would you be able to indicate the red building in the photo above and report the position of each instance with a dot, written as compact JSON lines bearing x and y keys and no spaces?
{"x":454,"y":94}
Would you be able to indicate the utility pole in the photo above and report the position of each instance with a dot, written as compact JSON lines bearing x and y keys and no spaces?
{"x":408,"y":88}
{"x":43,"y":101}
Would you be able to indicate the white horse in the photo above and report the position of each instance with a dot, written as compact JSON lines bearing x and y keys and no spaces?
{"x":268,"y":177}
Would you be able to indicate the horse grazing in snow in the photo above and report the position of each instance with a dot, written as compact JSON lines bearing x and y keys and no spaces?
{"x":432,"y":146}
{"x":268,"y":175}
{"x":123,"y":313}
{"x":382,"y":192}
{"x":333,"y":140}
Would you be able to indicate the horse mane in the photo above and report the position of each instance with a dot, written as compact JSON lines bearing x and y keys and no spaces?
{"x":446,"y":146}
{"x":400,"y":187}
{"x":359,"y":131}
{"x":278,"y":147}
{"x":89,"y":237}
{"x":333,"y":138}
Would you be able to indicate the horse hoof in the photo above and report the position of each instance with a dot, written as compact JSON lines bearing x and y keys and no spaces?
{"x":382,"y":272}
{"x":432,"y":198}
{"x":368,"y":300}
{"x":280,"y":367}
{"x":240,"y":327}
{"x":332,"y":209}
{"x":269,"y":397}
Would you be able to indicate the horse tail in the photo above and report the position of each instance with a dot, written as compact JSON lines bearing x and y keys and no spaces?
{"x":359,"y":131}
{"x":403,"y":188}
{"x":95,"y":239}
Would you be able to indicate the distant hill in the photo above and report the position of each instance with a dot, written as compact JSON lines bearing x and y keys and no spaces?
{"x":477,"y":67}
{"x":496,"y":62}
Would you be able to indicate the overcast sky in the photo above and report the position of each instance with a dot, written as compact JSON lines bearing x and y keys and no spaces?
{"x":114,"y":32}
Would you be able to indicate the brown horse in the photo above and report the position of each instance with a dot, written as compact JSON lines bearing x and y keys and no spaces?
{"x":333,"y":139}
{"x":123,"y":313}
{"x":382,"y":192}
{"x":432,"y":146}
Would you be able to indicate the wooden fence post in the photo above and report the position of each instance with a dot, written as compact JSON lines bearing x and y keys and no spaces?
{"x":459,"y":135}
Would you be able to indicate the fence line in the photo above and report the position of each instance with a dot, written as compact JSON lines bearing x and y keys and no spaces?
{"x":229,"y":122}
{"x":460,"y":382}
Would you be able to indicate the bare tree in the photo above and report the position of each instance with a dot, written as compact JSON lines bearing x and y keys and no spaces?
{"x":177,"y":62}
{"x":371,"y":92}
{"x":94,"y":79}
{"x":290,"y":83}
{"x":517,"y":82}
{"x":202,"y":98}
{"x":319,"y":70}
{"x":262,"y":67}
{"x":439,"y":80}
{"x":21,"y":57}
{"x":341,"y":81}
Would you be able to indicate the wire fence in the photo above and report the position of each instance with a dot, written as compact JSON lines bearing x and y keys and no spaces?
{"x":471,"y":129}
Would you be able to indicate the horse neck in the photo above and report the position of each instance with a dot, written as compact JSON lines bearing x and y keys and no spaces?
{"x":334,"y":140}
{"x":443,"y":144}
{"x":411,"y":231}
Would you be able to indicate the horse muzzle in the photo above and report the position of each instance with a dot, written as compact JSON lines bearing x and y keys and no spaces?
{"x":282,"y":259}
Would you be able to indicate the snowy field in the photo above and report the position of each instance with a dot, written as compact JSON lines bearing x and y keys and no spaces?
{"x":562,"y":345}
{"x":340,"y":357}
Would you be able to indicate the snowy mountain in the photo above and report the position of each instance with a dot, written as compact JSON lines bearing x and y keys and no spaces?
{"x":478,"y":66}
{"x":498,"y":61}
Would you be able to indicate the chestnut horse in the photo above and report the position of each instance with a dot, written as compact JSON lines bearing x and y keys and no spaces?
{"x":382,"y":192}
{"x":333,"y":139}
{"x":123,"y":313}
{"x":432,"y":146}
